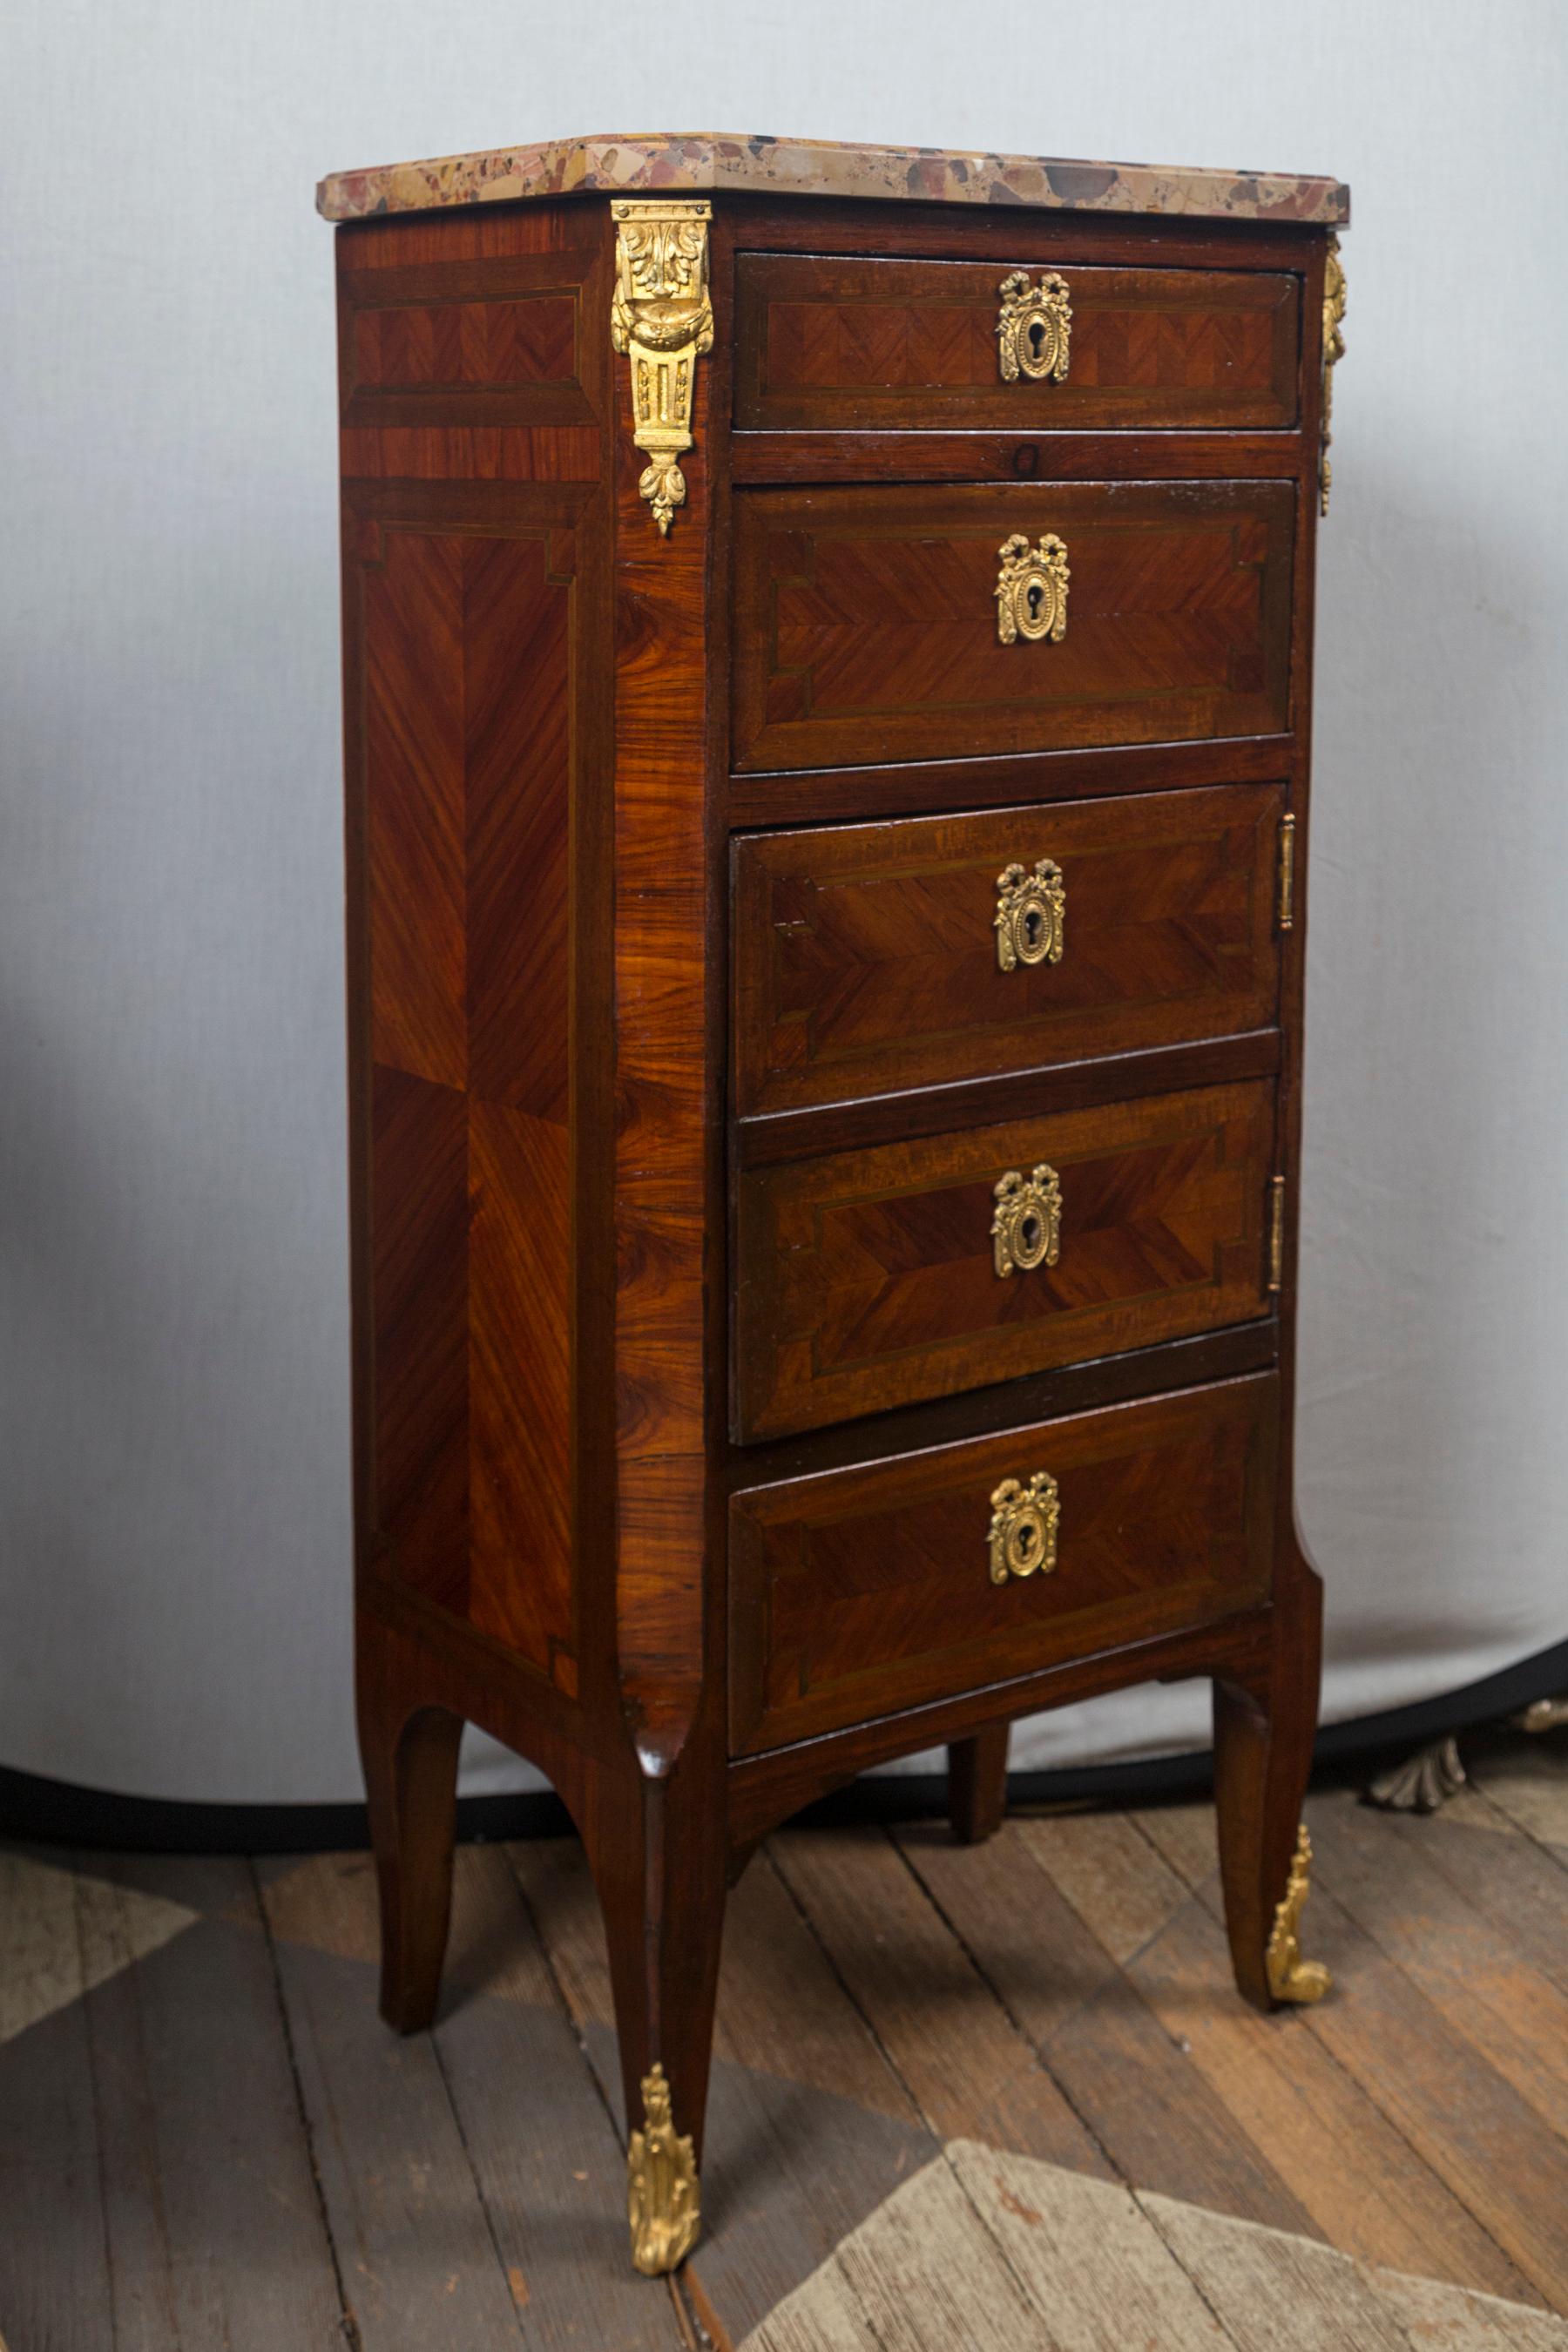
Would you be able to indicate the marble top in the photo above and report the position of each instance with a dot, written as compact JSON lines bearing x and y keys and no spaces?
{"x":707,"y":161}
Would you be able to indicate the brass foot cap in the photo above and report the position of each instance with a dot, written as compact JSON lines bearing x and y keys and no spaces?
{"x":663,"y":2198}
{"x":1290,"y":1978}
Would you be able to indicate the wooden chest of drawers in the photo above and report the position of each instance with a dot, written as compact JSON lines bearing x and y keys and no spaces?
{"x":828,"y":684}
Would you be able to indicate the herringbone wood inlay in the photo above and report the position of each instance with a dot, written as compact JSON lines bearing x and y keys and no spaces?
{"x":412,"y":621}
{"x":866,"y":955}
{"x":468,"y":782}
{"x":870,"y":1589}
{"x":866,"y":1278}
{"x":517,"y":745}
{"x":532,"y":340}
{"x":828,"y":342}
{"x":866,"y":620}
{"x":521,"y":1588}
{"x":419,"y":1286}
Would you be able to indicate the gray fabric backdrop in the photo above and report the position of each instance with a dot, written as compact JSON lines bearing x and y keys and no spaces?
{"x":174,"y":1496}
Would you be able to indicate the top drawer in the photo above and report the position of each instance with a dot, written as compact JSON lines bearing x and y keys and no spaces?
{"x":881,"y":345}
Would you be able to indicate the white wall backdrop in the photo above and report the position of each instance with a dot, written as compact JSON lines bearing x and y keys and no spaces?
{"x":173,"y":1427}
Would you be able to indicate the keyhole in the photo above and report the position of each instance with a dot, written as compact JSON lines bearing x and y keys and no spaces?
{"x":1034,"y":924}
{"x":1029,"y":1231}
{"x":1036,"y":337}
{"x":1026,"y":1540}
{"x":1035,"y":599}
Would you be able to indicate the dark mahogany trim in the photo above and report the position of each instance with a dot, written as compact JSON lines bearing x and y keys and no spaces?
{"x":1170,"y":454}
{"x":465,"y":1649}
{"x":1023,"y":1094}
{"x":1009,"y":235}
{"x":1239,"y":1348}
{"x":766,"y":1789}
{"x":776,"y":796}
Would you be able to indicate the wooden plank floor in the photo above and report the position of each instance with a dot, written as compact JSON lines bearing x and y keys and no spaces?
{"x":1002,"y":2097}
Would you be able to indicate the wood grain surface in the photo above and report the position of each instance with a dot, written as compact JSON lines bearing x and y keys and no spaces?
{"x":866,"y":955}
{"x":866,"y":1279}
{"x":830,"y":344}
{"x":555,"y":716}
{"x":1011,"y":2079}
{"x":863,"y":1592}
{"x":866,"y":620}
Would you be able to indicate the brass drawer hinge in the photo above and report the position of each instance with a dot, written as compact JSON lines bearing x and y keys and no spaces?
{"x":1275,"y":1232}
{"x":1287,"y":901}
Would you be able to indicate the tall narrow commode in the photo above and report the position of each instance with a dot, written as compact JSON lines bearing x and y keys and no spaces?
{"x":828,"y":654}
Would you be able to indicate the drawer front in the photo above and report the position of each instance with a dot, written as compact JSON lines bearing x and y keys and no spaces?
{"x":868,"y":629}
{"x":850,"y":344}
{"x":865,"y":1591}
{"x":874,"y":957}
{"x":874,"y":1278}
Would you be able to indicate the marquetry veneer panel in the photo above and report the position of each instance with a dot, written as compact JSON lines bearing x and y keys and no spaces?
{"x":862,"y":1590}
{"x":867,"y":1279}
{"x":866,"y":955}
{"x":826,"y":341}
{"x":865,"y":622}
{"x":464,"y":648}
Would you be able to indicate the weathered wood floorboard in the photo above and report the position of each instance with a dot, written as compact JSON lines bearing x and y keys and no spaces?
{"x":1094,"y":2266}
{"x":809,"y":2127}
{"x":54,"y":2255}
{"x":1457,"y":2113}
{"x":419,"y":2263}
{"x":1367,"y":2192}
{"x":972,"y":2074}
{"x":546,"y":2157}
{"x":1002,"y":2094}
{"x":215,"y":2228}
{"x":1462,"y":1954}
{"x":1525,"y":1778}
{"x":1505,"y":1872}
{"x":1157,"y":2119}
{"x":1271,"y":2287}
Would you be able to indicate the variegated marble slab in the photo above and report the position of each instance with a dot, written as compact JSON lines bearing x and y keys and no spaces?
{"x":705,"y":160}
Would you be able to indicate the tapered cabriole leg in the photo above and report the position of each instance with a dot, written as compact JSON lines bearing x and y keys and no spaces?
{"x":1264,"y":1729}
{"x":409,"y":1751}
{"x":664,"y":1918}
{"x":977,"y":1784}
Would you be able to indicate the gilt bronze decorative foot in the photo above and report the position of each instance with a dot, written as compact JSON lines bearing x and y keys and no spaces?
{"x":1290,"y":1978}
{"x":663,"y":2200}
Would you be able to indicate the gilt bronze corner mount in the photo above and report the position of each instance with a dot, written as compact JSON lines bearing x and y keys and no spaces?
{"x":662,"y":320}
{"x":1290,"y":1978}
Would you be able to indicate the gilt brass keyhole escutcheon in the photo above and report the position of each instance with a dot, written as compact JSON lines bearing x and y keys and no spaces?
{"x":1032,"y":590}
{"x":1033,"y":328}
{"x":1031,"y":914}
{"x":1027,"y":1229}
{"x":1024,"y":1524}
